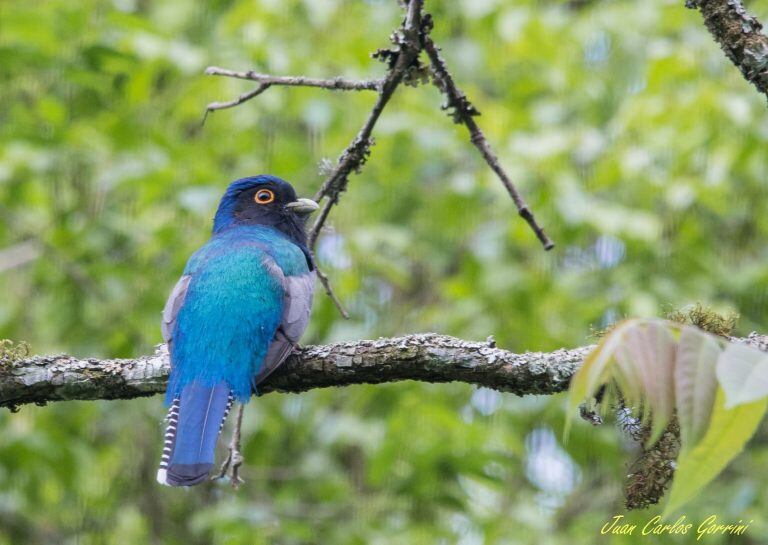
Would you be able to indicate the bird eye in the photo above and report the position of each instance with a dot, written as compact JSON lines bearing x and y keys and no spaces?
{"x":264,"y":196}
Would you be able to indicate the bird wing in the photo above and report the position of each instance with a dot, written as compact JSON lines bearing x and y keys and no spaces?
{"x":172,"y":306}
{"x":297,"y":305}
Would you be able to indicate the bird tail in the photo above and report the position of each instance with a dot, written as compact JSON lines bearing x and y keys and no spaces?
{"x":195,"y":420}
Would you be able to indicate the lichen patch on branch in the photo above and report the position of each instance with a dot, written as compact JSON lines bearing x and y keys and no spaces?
{"x":739,"y":35}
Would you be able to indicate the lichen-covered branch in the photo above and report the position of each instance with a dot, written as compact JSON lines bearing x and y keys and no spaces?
{"x":337,"y":83}
{"x":739,"y":35}
{"x":425,"y":357}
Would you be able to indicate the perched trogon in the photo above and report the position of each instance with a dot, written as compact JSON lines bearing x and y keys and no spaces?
{"x":234,"y":316}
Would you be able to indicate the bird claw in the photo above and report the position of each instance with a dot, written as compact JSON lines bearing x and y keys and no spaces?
{"x":235,"y":458}
{"x":231,"y":468}
{"x":237,"y":461}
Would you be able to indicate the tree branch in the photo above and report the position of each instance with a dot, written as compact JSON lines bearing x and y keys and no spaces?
{"x":245,"y":97}
{"x":323,"y":278}
{"x":337,"y":83}
{"x":424,"y":357}
{"x":738,"y":34}
{"x":403,"y":65}
{"x":408,"y":43}
{"x":464,"y":112}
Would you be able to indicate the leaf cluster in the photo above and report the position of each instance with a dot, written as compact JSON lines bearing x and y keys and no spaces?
{"x":716,"y":391}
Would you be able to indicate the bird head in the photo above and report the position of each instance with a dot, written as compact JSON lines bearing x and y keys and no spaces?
{"x":264,"y":200}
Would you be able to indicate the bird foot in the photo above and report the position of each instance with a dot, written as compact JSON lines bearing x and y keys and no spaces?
{"x":231,"y":468}
{"x":237,"y":461}
{"x":234,"y":458}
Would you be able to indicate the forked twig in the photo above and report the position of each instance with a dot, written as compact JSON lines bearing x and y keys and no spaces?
{"x":410,"y":39}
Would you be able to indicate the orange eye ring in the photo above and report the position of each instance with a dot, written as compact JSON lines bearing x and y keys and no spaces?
{"x":264,"y":196}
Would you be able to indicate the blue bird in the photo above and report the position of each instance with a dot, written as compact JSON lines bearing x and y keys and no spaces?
{"x":234,"y":316}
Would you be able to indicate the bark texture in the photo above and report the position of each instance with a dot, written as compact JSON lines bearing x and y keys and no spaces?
{"x":739,"y":35}
{"x":425,"y":357}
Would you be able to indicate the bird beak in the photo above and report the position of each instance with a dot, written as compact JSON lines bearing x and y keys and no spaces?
{"x":303,"y":207}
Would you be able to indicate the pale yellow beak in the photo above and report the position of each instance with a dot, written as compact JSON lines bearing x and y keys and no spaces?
{"x":302,"y":206}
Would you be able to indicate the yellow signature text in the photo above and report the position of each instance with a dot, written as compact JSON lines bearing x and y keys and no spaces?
{"x":655,"y":526}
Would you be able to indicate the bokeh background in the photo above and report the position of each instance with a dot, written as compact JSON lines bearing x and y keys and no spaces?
{"x":639,"y":146}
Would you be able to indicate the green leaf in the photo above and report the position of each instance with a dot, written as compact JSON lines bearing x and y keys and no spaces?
{"x":743,"y":373}
{"x":695,"y":383}
{"x":649,"y":355}
{"x":728,"y":432}
{"x":643,"y":352}
{"x":593,"y":372}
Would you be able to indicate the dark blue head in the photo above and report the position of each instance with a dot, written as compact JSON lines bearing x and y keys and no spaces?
{"x":264,"y":200}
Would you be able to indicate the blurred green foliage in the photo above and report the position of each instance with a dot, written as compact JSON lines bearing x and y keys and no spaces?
{"x":637,"y":144}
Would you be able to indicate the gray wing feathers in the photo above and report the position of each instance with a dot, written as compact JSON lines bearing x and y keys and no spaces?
{"x":279,"y":350}
{"x":172,"y":306}
{"x":297,"y":305}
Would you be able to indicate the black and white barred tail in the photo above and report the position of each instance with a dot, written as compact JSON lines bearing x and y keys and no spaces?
{"x":170,"y":436}
{"x":195,"y":420}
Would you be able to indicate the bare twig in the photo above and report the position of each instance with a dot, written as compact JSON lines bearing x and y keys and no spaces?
{"x":353,"y":158}
{"x":245,"y":97}
{"x":739,"y":35}
{"x":321,"y":217}
{"x":311,"y":239}
{"x":329,"y":291}
{"x":408,"y":42}
{"x":464,"y":112}
{"x":410,"y":39}
{"x":338,"y":83}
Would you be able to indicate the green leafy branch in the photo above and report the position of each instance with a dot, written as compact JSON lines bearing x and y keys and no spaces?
{"x":668,"y":373}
